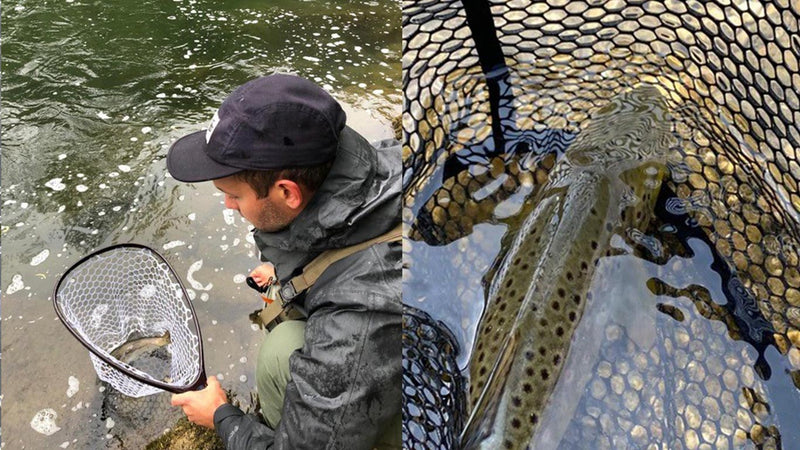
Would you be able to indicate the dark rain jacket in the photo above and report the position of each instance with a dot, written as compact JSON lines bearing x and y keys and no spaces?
{"x":345,"y":385}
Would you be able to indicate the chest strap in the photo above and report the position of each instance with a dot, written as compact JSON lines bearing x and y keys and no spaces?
{"x":313,"y":270}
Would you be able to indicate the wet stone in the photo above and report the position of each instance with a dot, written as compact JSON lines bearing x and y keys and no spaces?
{"x":794,"y":337}
{"x":606,"y":423}
{"x":691,"y":440}
{"x":748,"y":375}
{"x":722,"y":443}
{"x":681,"y":359}
{"x":727,"y":425}
{"x":694,"y":394}
{"x":692,"y":415}
{"x":613,"y":333}
{"x":696,"y":371}
{"x":743,"y":419}
{"x":794,"y":358}
{"x":617,"y":384}
{"x":639,"y":435}
{"x":711,"y":408}
{"x":714,"y":365}
{"x":631,"y":400}
{"x":604,"y":369}
{"x":729,"y":403}
{"x":708,"y":431}
{"x":757,"y":434}
{"x":598,"y":389}
{"x":635,"y":380}
{"x":739,"y":438}
{"x":730,"y":379}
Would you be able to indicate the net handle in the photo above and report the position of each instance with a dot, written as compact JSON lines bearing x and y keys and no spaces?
{"x":198,"y":383}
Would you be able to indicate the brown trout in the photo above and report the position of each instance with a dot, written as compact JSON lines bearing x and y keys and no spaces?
{"x":606,"y":182}
{"x":132,"y":350}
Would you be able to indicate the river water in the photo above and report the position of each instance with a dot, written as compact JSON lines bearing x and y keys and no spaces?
{"x":93,"y":93}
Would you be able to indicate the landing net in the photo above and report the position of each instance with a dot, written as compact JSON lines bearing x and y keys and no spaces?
{"x":127,"y":306}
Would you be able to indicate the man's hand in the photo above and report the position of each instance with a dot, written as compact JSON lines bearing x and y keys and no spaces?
{"x":264,"y":275}
{"x":199,"y":406}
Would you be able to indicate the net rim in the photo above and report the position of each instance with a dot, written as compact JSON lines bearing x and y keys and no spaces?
{"x":198,"y":382}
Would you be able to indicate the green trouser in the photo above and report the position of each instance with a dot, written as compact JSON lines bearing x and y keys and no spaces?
{"x":272,"y":376}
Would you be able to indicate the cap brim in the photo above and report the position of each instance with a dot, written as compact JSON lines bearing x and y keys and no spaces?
{"x":187,"y":160}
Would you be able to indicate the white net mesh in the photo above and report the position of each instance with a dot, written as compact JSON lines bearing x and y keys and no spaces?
{"x":123,"y":300}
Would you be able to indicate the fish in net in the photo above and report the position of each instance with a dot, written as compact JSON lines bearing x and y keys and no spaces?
{"x":126,"y":305}
{"x":495,"y":94}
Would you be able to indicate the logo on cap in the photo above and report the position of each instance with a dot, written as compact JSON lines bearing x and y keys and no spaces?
{"x":211,"y":126}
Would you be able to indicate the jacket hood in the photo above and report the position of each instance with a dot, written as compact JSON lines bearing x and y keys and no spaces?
{"x":360,"y":199}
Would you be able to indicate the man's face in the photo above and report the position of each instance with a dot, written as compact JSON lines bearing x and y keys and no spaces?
{"x":268,"y":214}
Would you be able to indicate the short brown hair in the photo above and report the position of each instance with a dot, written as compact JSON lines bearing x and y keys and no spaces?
{"x":311,"y":177}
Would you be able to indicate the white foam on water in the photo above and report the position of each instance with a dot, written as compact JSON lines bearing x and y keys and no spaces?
{"x":64,"y":444}
{"x":124,"y":168}
{"x":16,"y":284}
{"x":173,"y":244}
{"x":146,"y":130}
{"x":239,"y":278}
{"x":194,"y":283}
{"x":56,"y":184}
{"x":148,"y":291}
{"x":38,"y":259}
{"x":311,"y":58}
{"x":103,"y":115}
{"x":227,"y":214}
{"x":44,"y":422}
{"x":62,"y":156}
{"x":204,"y":297}
{"x":81,"y":188}
{"x":192,"y":216}
{"x":74,"y":386}
{"x":61,"y":208}
{"x":161,"y":95}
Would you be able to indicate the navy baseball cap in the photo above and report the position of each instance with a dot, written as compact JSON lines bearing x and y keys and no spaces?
{"x":271,"y":122}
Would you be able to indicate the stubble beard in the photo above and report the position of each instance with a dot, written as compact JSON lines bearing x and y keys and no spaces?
{"x":271,"y":221}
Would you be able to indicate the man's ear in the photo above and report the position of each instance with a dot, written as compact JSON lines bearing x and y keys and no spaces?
{"x":290,"y":193}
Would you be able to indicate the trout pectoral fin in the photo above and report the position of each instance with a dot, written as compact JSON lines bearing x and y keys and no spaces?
{"x":484,"y":413}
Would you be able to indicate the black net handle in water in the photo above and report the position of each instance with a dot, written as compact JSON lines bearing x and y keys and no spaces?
{"x":198,"y":383}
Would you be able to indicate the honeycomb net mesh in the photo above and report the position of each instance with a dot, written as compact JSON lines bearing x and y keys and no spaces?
{"x":729,"y":72}
{"x":124,"y":296}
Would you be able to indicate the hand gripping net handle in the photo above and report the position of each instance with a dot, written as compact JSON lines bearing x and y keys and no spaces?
{"x":125,"y":292}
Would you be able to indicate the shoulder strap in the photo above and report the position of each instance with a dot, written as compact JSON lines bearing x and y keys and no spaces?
{"x":313,"y":270}
{"x":275,"y":309}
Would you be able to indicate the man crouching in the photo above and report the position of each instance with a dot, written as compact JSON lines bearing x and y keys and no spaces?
{"x":279,"y":149}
